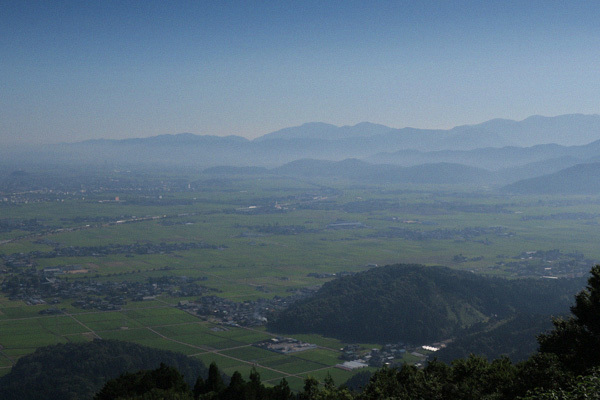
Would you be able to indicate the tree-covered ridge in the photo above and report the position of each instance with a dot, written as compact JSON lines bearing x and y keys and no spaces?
{"x":79,"y":370}
{"x":551,"y":373}
{"x":415,"y":303}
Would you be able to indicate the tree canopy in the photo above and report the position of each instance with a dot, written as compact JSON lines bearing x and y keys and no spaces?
{"x":415,"y":303}
{"x":576,"y":340}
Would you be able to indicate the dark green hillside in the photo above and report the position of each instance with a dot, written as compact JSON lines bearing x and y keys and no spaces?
{"x":79,"y":370}
{"x":514,"y":337}
{"x":416,"y":304}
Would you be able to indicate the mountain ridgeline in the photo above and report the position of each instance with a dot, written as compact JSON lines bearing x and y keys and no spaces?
{"x":415,"y":304}
{"x":491,"y":145}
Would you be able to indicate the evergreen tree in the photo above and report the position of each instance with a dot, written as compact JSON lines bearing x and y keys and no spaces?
{"x":281,"y":391}
{"x":576,"y":341}
{"x":212,"y":386}
{"x":331,"y":392}
{"x":199,"y":387}
{"x":385,"y":384}
{"x":255,"y":390}
{"x":163,"y":382}
{"x":236,"y":388}
{"x":311,"y":389}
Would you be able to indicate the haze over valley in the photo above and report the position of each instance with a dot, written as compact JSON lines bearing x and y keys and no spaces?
{"x":299,"y":200}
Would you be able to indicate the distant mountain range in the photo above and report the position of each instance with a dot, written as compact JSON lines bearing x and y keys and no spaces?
{"x":567,"y":130}
{"x":495,"y":152}
{"x":320,"y":130}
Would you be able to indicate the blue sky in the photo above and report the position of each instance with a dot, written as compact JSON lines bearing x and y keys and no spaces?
{"x":72,"y":71}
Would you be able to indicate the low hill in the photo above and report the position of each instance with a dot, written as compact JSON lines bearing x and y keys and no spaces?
{"x":439,"y":173}
{"x":79,"y":370}
{"x":228,"y":170}
{"x":550,"y":157}
{"x":491,"y":158}
{"x":536,"y":169}
{"x":579,"y":179}
{"x":418,"y":304}
{"x":324,"y":168}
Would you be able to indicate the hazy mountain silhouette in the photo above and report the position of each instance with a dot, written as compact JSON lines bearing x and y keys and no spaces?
{"x":320,"y":130}
{"x":491,"y":145}
{"x":579,"y":179}
{"x":439,"y":173}
{"x":566,"y":130}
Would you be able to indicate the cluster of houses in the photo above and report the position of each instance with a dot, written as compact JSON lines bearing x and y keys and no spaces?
{"x":392,"y":354}
{"x":38,"y":196}
{"x":283,"y":345}
{"x":100,"y":251}
{"x":247,"y":313}
{"x":31,"y":224}
{"x":464,"y":234}
{"x":355,"y":357}
{"x":547,"y":264}
{"x":46,"y":286}
{"x":325,"y":275}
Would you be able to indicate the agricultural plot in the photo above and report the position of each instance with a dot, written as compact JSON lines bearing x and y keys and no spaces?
{"x":12,"y":311}
{"x":23,"y":336}
{"x":159,"y":316}
{"x":293,"y":365}
{"x":320,"y":356}
{"x":106,"y":321}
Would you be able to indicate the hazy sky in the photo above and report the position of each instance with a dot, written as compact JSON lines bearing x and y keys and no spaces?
{"x":71,"y":71}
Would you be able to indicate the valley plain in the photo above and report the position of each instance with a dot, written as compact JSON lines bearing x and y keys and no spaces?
{"x":126,"y":254}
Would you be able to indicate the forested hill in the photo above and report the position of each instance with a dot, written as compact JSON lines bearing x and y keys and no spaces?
{"x":79,"y":370}
{"x":415,"y":303}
